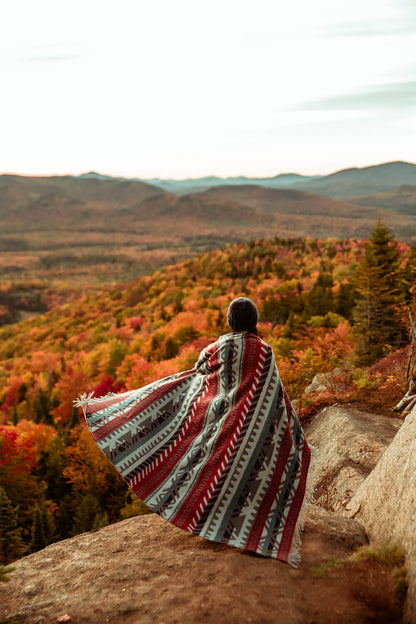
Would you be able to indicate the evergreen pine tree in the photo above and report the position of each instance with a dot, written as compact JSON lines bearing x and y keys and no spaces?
{"x":42,"y":408}
{"x":345,"y":300}
{"x":11,"y":543}
{"x":49,"y":470}
{"x":73,"y":419}
{"x":378,"y":327}
{"x":86,"y":514}
{"x":292,"y":326}
{"x":47,"y":523}
{"x":320,"y":299}
{"x":38,"y":531}
{"x":64,"y":523}
{"x":15,"y":417}
{"x":171,"y":349}
{"x":100,"y":521}
{"x":116,"y":357}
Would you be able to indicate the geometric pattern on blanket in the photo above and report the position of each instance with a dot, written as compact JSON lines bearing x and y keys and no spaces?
{"x":217,"y":450}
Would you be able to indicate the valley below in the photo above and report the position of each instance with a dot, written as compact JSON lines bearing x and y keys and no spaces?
{"x":75,"y":232}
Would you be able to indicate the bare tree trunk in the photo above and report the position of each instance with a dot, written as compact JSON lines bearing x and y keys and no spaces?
{"x":409,"y":399}
{"x":407,"y":403}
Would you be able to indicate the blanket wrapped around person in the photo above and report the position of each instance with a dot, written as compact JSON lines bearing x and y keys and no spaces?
{"x":217,"y":450}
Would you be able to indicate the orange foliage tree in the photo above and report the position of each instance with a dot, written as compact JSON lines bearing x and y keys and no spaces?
{"x":90,"y":472}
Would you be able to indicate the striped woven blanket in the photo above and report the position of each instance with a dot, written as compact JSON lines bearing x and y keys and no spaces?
{"x":217,"y":450}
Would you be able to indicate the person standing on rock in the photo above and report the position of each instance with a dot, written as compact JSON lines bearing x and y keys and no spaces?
{"x":217,"y":450}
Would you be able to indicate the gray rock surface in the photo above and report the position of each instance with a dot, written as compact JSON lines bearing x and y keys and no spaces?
{"x":385,"y":503}
{"x":350,"y":442}
{"x":317,"y":384}
{"x":323,"y":381}
{"x":146,"y":571}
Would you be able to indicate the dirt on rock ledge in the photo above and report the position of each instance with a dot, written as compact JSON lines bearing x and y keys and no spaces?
{"x":146,"y":571}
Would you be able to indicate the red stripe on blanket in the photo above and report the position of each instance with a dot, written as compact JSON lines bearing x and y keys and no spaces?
{"x":160,"y":469}
{"x":121,"y":420}
{"x":96,"y":404}
{"x":190,"y":511}
{"x":270,"y":496}
{"x":264,"y":509}
{"x":292,"y":518}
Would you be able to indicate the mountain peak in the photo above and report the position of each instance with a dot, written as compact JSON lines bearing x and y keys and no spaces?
{"x":356,"y":181}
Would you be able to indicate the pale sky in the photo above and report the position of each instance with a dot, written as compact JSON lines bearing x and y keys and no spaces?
{"x":184,"y":88}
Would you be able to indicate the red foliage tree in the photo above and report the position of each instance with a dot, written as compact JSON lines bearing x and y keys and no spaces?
{"x":17,"y":460}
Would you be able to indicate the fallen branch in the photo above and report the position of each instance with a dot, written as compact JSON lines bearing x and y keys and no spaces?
{"x":409,"y":399}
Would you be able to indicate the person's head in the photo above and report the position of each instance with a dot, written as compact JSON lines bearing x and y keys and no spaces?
{"x":242,"y":315}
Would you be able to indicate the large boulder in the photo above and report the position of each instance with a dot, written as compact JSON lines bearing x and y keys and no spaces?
{"x":350,"y":442}
{"x":146,"y":571}
{"x":322,"y":382}
{"x":385,"y":503}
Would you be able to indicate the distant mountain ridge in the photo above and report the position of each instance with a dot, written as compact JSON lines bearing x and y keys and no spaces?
{"x":286,"y":202}
{"x":97,"y":228}
{"x":196,"y":185}
{"x":345,"y":183}
{"x":364,"y":181}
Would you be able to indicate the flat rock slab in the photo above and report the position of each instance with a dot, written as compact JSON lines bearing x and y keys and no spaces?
{"x":350,"y":443}
{"x":386,"y":502}
{"x":145,"y":571}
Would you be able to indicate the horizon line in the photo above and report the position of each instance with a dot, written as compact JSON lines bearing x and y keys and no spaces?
{"x":212,"y":175}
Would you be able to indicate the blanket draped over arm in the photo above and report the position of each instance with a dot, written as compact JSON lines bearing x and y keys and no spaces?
{"x":217,"y":450}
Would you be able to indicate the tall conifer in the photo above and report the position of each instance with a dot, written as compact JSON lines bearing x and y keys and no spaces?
{"x":378,"y":327}
{"x":320,"y":298}
{"x":11,"y":543}
{"x":86,"y":514}
{"x":38,"y":531}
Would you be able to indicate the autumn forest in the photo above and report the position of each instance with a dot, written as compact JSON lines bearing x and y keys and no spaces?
{"x":338,"y":307}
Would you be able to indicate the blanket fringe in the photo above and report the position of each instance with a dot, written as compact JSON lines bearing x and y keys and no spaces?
{"x":83,"y":400}
{"x":294,"y":555}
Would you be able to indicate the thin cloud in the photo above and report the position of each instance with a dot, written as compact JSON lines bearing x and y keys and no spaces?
{"x":402,"y":22}
{"x":42,"y":53}
{"x":370,"y":29}
{"x":401,"y":95}
{"x":51,"y":58}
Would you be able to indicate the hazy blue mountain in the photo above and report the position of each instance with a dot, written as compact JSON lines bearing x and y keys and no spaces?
{"x":196,"y":185}
{"x":356,"y":182}
{"x":94,"y":175}
{"x":346,"y":183}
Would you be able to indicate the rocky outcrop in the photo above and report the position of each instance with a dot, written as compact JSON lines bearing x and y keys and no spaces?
{"x":323,"y":382}
{"x":350,"y":443}
{"x":317,"y":384}
{"x":385,"y":503}
{"x":146,"y":571}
